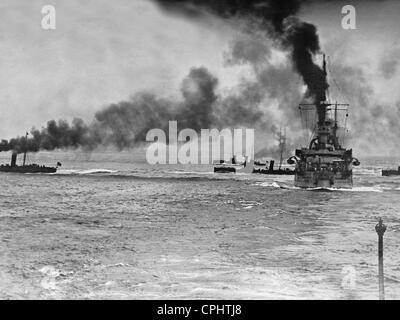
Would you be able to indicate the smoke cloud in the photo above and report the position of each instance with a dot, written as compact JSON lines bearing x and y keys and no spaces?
{"x":125,"y":124}
{"x":278,"y":19}
{"x":274,"y":23}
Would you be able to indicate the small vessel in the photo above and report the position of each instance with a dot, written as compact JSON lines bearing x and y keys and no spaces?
{"x":261,"y":167}
{"x":270,"y":169}
{"x":26,"y":168}
{"x":233,"y":166}
{"x":324,"y":163}
{"x":391,"y":172}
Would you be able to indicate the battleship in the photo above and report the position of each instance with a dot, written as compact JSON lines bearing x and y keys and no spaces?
{"x":324,"y":163}
{"x":26,"y":168}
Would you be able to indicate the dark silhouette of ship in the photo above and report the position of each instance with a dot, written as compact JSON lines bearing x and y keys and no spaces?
{"x":260,"y":167}
{"x":26,"y":168}
{"x":391,"y":172}
{"x":324,"y":163}
{"x":233,"y":166}
{"x":270,"y":169}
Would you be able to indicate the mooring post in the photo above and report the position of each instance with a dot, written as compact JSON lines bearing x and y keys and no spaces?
{"x":380,"y":229}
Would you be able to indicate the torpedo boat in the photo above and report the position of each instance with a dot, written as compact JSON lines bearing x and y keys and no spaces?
{"x":26,"y":168}
{"x":234,"y":166}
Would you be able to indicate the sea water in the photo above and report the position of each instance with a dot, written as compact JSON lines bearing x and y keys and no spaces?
{"x":108,"y":227}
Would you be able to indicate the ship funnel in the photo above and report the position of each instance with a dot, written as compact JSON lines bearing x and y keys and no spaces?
{"x":271,"y":165}
{"x":13,"y":159}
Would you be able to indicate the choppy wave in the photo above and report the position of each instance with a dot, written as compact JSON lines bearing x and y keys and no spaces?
{"x":275,"y":184}
{"x":368,"y":171}
{"x":193,"y":172}
{"x":83,"y":172}
{"x":368,"y":180}
{"x":269,"y":184}
{"x":196,"y":234}
{"x":354,"y":189}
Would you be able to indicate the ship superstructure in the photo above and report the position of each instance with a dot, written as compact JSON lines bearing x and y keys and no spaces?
{"x":324,"y":163}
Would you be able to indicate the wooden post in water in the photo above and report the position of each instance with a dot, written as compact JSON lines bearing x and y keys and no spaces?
{"x":380,"y":229}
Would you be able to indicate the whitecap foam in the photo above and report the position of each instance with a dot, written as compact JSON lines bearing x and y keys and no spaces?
{"x":92,"y":171}
{"x":65,"y":171}
{"x":89,"y":171}
{"x":292,"y":187}
{"x":269,"y":184}
{"x":365,"y":189}
{"x":368,"y":171}
{"x":191,"y":172}
{"x":357,"y":189}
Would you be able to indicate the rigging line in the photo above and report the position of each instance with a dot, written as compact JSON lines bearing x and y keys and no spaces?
{"x":314,"y":129}
{"x":303,"y":122}
{"x":335,"y":82}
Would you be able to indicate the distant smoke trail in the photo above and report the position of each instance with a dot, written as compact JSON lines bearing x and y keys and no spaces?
{"x":125,"y":124}
{"x":54,"y":136}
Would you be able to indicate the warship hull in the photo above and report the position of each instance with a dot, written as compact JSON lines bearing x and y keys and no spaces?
{"x":389,"y":172}
{"x":225,"y":169}
{"x":27,"y":169}
{"x":324,"y":169}
{"x":274,"y":172}
{"x":321,"y":180}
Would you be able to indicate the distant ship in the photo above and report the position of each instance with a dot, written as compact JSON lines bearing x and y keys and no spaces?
{"x":324,"y":163}
{"x":234,"y":166}
{"x":26,"y":168}
{"x":270,"y":169}
{"x":391,"y":172}
{"x":261,"y":167}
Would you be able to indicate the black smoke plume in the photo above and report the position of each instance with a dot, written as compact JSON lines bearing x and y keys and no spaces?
{"x":279,"y":21}
{"x":125,"y":124}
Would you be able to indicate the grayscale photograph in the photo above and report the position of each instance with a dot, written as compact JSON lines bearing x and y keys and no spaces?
{"x":199,"y":150}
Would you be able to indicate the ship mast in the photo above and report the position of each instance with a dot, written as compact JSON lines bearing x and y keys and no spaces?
{"x":26,"y":147}
{"x":282,"y":145}
{"x":321,"y":101}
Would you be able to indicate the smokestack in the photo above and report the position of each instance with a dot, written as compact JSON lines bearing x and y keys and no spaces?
{"x":13,"y":159}
{"x":321,"y":108}
{"x":271,"y":165}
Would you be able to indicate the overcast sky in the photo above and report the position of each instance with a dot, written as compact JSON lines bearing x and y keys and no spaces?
{"x":104,"y":51}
